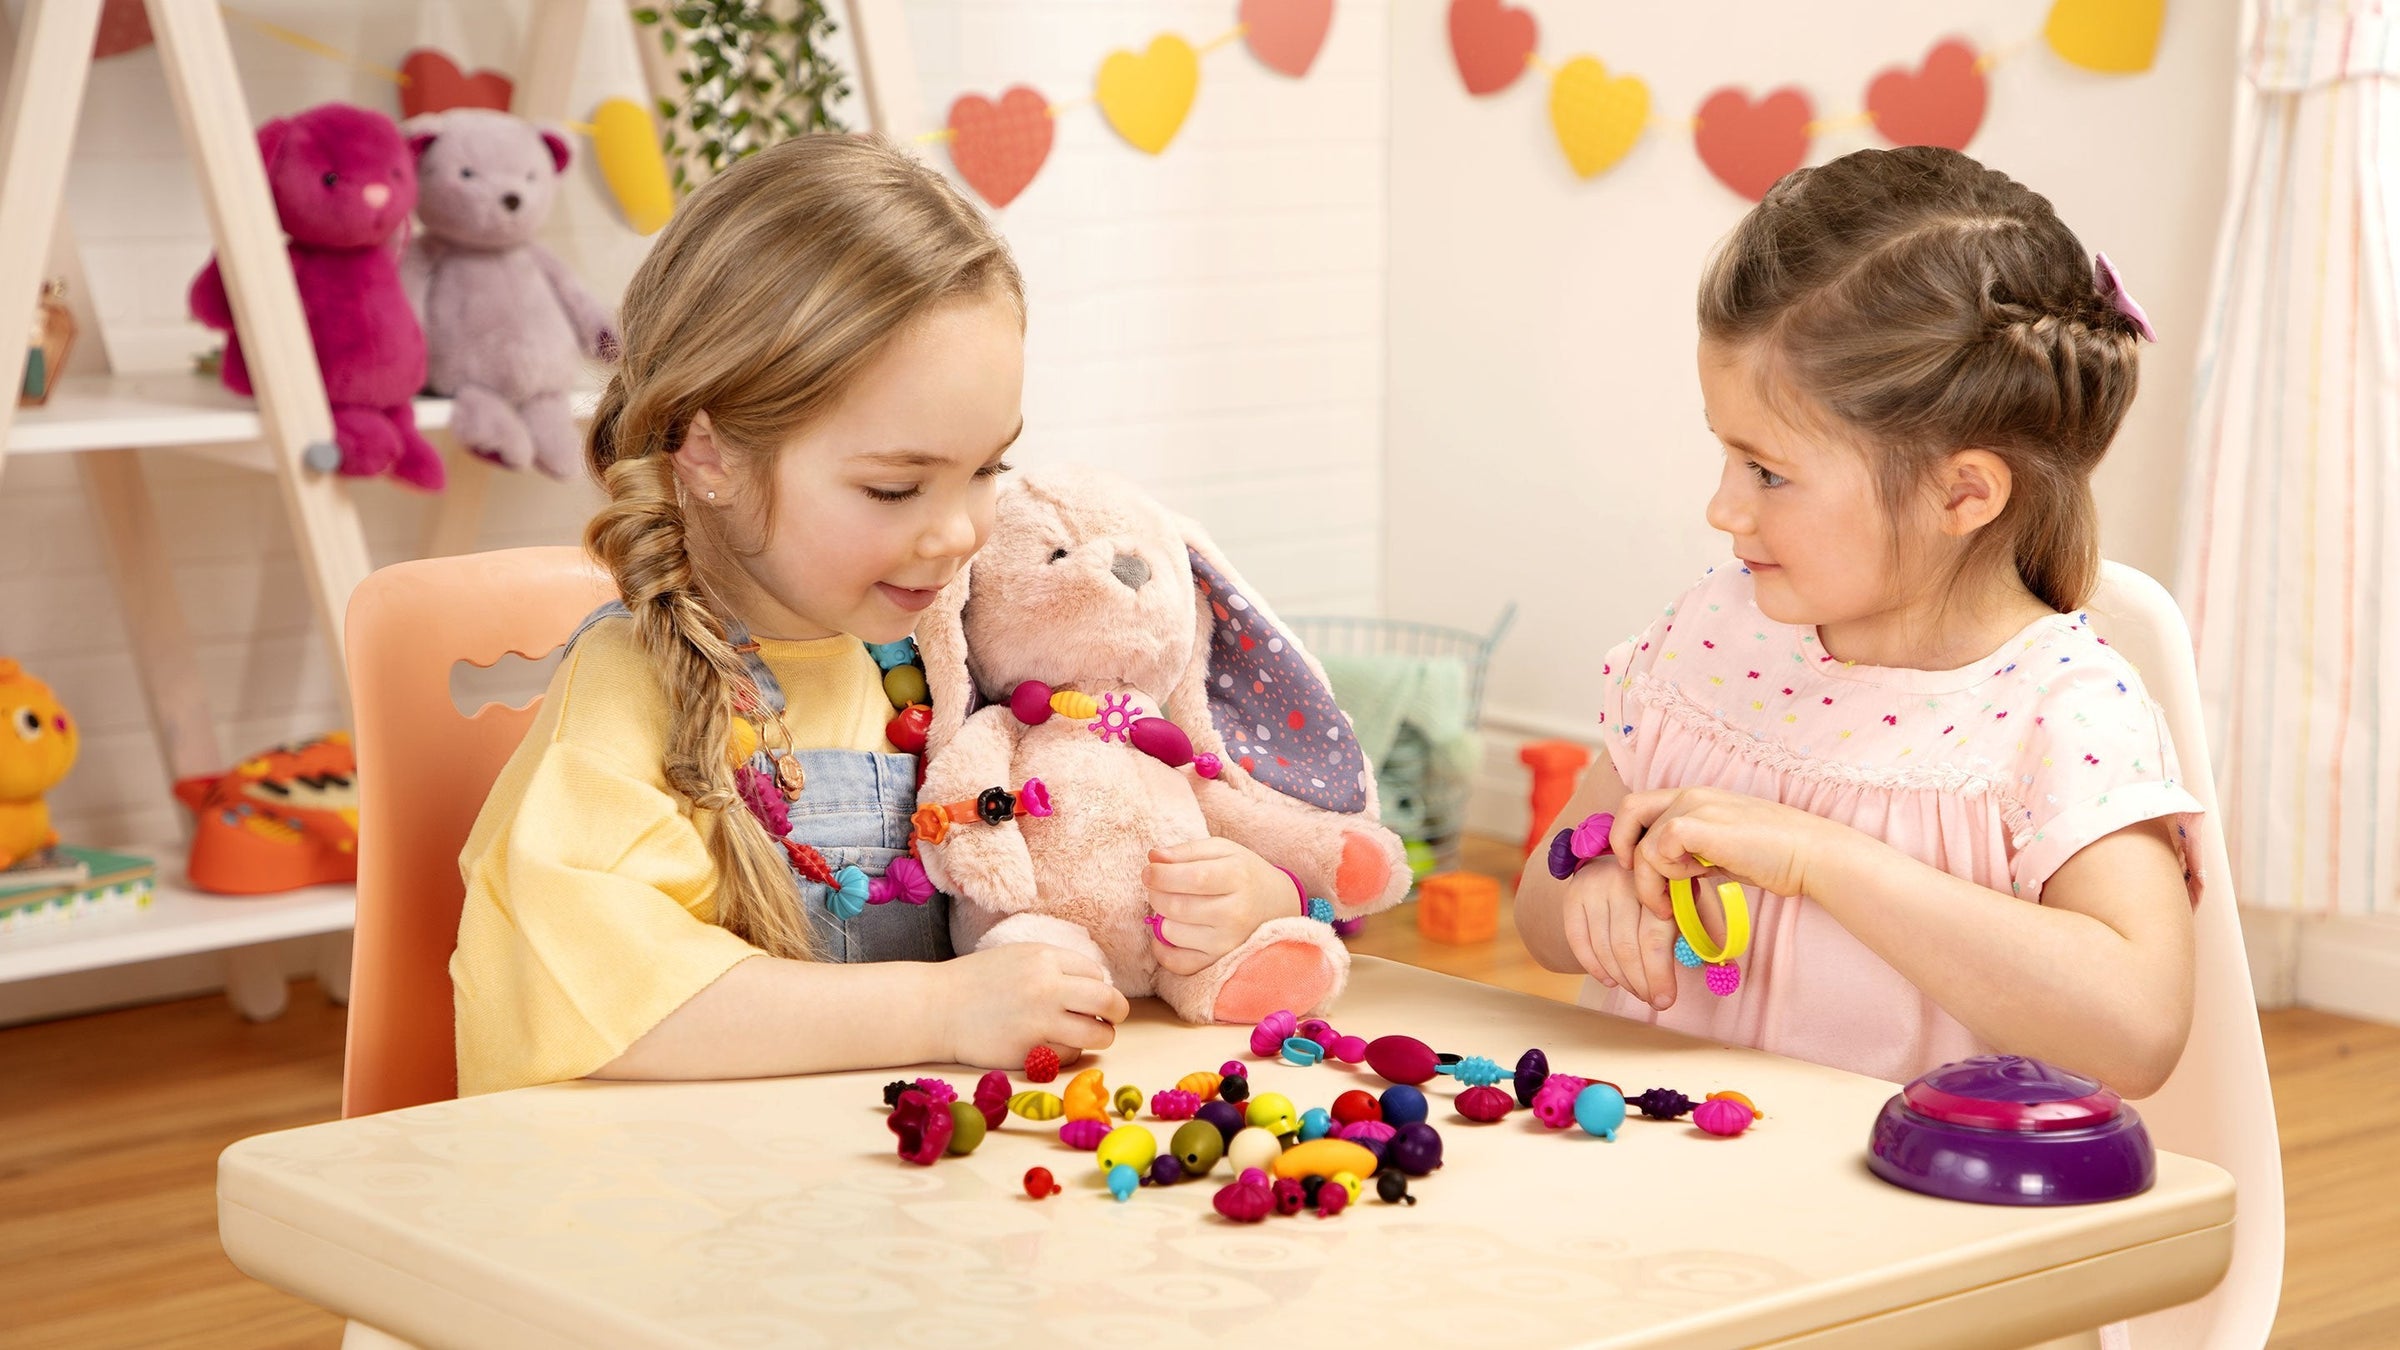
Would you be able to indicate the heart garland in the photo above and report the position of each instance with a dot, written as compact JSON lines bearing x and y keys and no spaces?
{"x":1747,"y":143}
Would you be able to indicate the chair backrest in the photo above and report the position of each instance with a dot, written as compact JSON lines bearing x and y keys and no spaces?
{"x":423,"y":772}
{"x":2216,"y":1105}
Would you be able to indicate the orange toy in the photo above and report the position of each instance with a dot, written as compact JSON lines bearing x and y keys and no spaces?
{"x":277,"y":822}
{"x":1458,"y":907}
{"x":36,"y":750}
{"x":1555,"y":765}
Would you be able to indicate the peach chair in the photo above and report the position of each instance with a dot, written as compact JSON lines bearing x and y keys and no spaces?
{"x":2216,"y":1105}
{"x":423,"y":773}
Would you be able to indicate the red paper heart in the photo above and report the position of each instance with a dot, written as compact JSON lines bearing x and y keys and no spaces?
{"x":1491,"y":43}
{"x":124,"y":27}
{"x":999,"y":147}
{"x":435,"y":84}
{"x":1941,"y":104}
{"x":1750,"y":145}
{"x":1286,"y":35}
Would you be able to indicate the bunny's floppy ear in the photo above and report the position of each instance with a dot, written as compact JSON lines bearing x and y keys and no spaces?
{"x":942,"y":650}
{"x":1270,"y":715}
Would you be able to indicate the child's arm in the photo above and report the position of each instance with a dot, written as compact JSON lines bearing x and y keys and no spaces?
{"x":766,"y":1017}
{"x":1593,"y":923}
{"x":2096,"y":978}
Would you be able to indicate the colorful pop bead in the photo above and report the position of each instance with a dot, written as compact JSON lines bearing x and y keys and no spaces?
{"x":1315,"y":1123}
{"x":1722,"y":1116}
{"x":1039,"y":1184}
{"x":1416,"y":1150}
{"x":966,"y":1129}
{"x":1037,"y":1106}
{"x":1083,"y":1135}
{"x":1402,"y":1059}
{"x":1662,"y":1103}
{"x":1175,"y":1104}
{"x":923,"y":1127}
{"x":1302,"y":1052}
{"x":1724,"y":979}
{"x":1485,"y":1104}
{"x":942,"y":1093}
{"x":1201,"y":1085}
{"x":1272,"y":1031}
{"x":1198,"y":1146}
{"x":1477,"y":1071}
{"x":1123,"y":1181}
{"x":1041,"y":1064}
{"x":991,"y":1098}
{"x":1600,"y":1110}
{"x":1354,"y":1106}
{"x":1127,"y":1146}
{"x":1128,"y":1101}
{"x":1403,"y":1105}
{"x":1532,"y":1068}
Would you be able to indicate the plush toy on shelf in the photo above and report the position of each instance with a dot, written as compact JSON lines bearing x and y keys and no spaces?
{"x":36,"y":750}
{"x":506,"y":324}
{"x":1103,"y":646}
{"x":344,"y":183}
{"x":277,"y":821}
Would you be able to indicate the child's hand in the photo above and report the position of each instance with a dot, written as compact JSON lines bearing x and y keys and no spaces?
{"x":1210,"y":895}
{"x":1757,"y":842}
{"x":1620,"y":943}
{"x":1005,"y":1000}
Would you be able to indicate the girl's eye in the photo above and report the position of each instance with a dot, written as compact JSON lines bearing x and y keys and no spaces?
{"x":893,"y":496}
{"x":331,"y":178}
{"x":994,"y":470}
{"x":1766,"y":477}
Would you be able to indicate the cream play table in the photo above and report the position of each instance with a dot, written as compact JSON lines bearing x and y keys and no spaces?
{"x":775,"y":1213}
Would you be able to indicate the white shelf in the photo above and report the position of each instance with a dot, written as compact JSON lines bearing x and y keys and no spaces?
{"x":177,"y":922}
{"x":189,"y":411}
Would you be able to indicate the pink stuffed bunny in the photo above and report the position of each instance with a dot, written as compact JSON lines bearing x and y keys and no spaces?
{"x":344,"y":183}
{"x":1088,"y":585}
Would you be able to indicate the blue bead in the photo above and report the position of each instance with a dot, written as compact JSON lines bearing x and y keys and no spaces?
{"x":1402,"y":1105}
{"x":1301,"y":1051}
{"x":1315,"y":1123}
{"x":1685,"y":956}
{"x":1600,"y":1109}
{"x":1477,"y":1071}
{"x":1320,"y":909}
{"x":890,"y":654}
{"x":1123,"y":1180}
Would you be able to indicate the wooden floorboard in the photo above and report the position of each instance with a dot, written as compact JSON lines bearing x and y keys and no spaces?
{"x":110,"y":1126}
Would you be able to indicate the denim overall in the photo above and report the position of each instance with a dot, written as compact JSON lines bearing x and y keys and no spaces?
{"x":854,"y":809}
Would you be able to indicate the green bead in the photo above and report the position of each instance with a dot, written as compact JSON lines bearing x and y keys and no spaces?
{"x":904,"y":685}
{"x":1198,"y":1146}
{"x":966,"y":1128}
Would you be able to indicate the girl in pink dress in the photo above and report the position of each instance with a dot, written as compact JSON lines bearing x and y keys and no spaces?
{"x":1955,"y":810}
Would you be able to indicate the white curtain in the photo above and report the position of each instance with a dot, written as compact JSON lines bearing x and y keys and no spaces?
{"x":2290,"y":569}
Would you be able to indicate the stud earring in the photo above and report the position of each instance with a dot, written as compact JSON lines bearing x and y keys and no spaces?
{"x":712,"y":496}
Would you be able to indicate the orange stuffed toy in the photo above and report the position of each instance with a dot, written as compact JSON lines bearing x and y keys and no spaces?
{"x":36,"y":750}
{"x":279,"y":821}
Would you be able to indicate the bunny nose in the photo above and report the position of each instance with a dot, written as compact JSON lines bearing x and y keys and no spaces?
{"x":1130,"y":569}
{"x":376,"y":194}
{"x":510,"y":200}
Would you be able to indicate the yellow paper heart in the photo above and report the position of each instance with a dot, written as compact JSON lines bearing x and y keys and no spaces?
{"x":1146,"y":97}
{"x":1597,"y":118}
{"x":625,"y":143}
{"x":2115,"y":37}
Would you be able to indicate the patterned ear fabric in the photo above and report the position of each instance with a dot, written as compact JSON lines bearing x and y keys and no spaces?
{"x":1277,"y":719}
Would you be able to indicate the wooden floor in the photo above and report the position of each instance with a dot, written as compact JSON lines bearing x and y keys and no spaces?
{"x":110,"y":1126}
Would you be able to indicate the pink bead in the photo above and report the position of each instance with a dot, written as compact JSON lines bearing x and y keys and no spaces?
{"x":1373,"y":1134}
{"x":1034,"y":798}
{"x":1207,"y":765}
{"x":1243,"y":1202}
{"x":1253,"y":1176}
{"x":1486,"y":1104}
{"x":1163,"y":741}
{"x":1272,"y":1031}
{"x":1722,"y":1117}
{"x":1332,"y":1200}
{"x":1319,"y":1030}
{"x":1030,"y":701}
{"x":992,"y":1092}
{"x":1554,"y":1105}
{"x":1349,"y":1049}
{"x":1083,"y":1135}
{"x":1590,"y":839}
{"x":1174,"y":1104}
{"x":1724,"y":979}
{"x":942,"y":1093}
{"x":1402,"y":1059}
{"x":1234,"y":1068}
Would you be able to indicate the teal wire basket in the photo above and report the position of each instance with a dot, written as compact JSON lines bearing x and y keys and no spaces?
{"x":1337,"y":635}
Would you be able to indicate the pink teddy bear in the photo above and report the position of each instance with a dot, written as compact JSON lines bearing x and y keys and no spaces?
{"x":344,"y":182}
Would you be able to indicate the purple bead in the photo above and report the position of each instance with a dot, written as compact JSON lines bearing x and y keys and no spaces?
{"x":1319,"y":1030}
{"x":1532,"y":1068}
{"x":1227,"y":1117}
{"x":1165,"y":1170}
{"x":1416,"y":1150}
{"x":1563,"y":861}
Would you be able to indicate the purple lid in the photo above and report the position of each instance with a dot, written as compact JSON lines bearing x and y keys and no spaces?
{"x":2005,"y":1130}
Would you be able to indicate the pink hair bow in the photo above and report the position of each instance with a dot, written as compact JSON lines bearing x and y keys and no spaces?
{"x":2112,"y":289}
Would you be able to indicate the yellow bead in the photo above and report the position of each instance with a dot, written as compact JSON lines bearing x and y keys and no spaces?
{"x":1348,"y":1181}
{"x":1324,"y":1158}
{"x":1128,"y":1101}
{"x":1037,"y":1105}
{"x":1129,"y":1145}
{"x":1272,"y":1112}
{"x":743,"y":743}
{"x":1201,"y":1085}
{"x":1068,"y":703}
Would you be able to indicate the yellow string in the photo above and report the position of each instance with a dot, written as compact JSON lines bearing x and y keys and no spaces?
{"x":315,"y":48}
{"x":1842,"y":123}
{"x":1233,"y":34}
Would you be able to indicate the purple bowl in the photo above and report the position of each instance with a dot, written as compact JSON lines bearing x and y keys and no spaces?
{"x":2006,"y":1130}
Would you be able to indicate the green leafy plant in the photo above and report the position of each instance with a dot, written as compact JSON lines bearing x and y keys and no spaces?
{"x":754,"y":72}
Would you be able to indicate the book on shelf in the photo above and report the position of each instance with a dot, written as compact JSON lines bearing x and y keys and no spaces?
{"x":110,"y":881}
{"x":52,"y":866}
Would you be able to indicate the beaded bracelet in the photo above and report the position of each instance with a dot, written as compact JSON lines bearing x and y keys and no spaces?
{"x":1571,"y":848}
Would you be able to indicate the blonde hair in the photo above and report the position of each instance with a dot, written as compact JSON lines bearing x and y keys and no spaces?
{"x":1933,"y":305}
{"x":770,"y":290}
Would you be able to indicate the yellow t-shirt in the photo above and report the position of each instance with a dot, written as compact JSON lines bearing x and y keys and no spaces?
{"x":590,"y":896}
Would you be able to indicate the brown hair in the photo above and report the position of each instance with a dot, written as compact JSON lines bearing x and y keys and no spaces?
{"x":770,"y":290}
{"x":1931,"y":305}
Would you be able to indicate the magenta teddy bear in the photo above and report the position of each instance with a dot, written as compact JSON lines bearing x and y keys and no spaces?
{"x":344,"y":182}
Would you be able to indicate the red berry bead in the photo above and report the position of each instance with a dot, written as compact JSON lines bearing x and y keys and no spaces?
{"x":1291,"y":1197}
{"x":1040,"y":1184}
{"x":1041,"y":1064}
{"x":1354,"y":1106}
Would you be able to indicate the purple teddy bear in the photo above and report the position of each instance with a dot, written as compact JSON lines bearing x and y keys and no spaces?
{"x":506,"y":324}
{"x":344,"y":183}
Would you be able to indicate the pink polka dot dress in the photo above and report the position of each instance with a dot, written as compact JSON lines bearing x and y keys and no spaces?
{"x":1997,"y":772}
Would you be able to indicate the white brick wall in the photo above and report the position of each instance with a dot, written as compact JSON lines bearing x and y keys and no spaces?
{"x":1210,"y":322}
